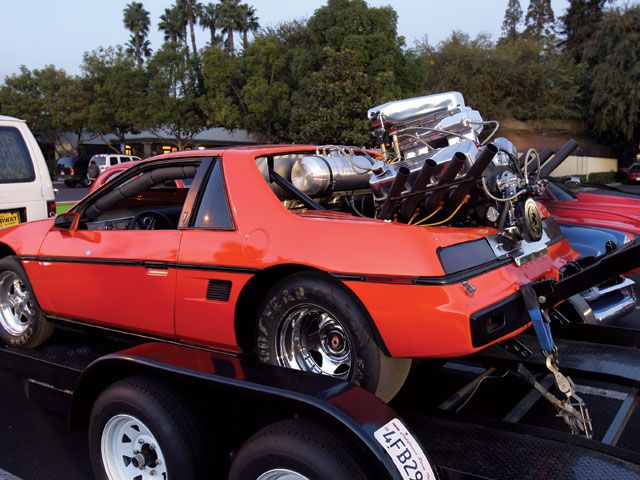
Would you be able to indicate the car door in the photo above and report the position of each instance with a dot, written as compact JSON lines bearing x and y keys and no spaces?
{"x":210,"y":272}
{"x":109,"y":273}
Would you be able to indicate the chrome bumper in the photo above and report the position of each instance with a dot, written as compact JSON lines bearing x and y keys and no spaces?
{"x":607,"y":303}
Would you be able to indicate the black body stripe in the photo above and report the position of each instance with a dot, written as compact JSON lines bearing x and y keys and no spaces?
{"x":447,"y":279}
{"x":142,"y":263}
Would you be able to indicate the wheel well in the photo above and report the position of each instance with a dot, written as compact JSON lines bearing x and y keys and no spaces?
{"x":256,"y":289}
{"x":5,"y":250}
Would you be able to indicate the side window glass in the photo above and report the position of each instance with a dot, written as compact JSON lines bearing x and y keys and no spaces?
{"x":15,"y":161}
{"x":213,"y":211}
{"x":113,"y":161}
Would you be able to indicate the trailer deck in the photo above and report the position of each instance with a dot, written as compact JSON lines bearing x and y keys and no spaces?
{"x":474,"y":416}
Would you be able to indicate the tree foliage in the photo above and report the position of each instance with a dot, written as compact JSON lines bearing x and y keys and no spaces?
{"x":579,"y":23}
{"x":136,"y":20}
{"x":540,"y":19}
{"x":118,"y":89}
{"x":612,"y":80}
{"x":512,"y":19}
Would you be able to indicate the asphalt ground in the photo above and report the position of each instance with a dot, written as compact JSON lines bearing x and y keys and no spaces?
{"x":35,"y":444}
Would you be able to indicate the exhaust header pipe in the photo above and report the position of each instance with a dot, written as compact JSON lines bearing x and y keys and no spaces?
{"x":449,"y":174}
{"x":396,"y":189}
{"x":477,"y":169}
{"x":566,"y":150}
{"x":420,"y":183}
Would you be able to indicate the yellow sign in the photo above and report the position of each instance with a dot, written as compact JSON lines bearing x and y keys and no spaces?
{"x":8,"y":219}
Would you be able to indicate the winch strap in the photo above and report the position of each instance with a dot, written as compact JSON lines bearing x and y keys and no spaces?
{"x":541,"y":327}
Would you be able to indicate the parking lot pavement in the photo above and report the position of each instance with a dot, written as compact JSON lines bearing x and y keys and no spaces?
{"x":67,"y":194}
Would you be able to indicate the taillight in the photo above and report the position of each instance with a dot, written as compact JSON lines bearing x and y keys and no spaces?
{"x":72,"y":171}
{"x":51,"y":208}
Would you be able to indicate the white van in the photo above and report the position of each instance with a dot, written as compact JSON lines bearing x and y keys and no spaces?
{"x":26,"y":192}
{"x":99,"y":163}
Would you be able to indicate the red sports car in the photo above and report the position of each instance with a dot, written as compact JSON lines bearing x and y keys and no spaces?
{"x":334,"y":260}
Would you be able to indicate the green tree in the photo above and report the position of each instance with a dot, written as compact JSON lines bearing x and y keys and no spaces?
{"x":519,"y":79}
{"x":209,"y":18}
{"x":512,"y":18}
{"x":229,"y":13}
{"x":173,"y":105}
{"x":171,"y":25}
{"x":118,"y":92}
{"x":136,"y":20}
{"x":248,"y":22}
{"x":540,"y":19}
{"x":579,"y":23}
{"x":612,"y":80}
{"x":190,"y":10}
{"x":51,"y":102}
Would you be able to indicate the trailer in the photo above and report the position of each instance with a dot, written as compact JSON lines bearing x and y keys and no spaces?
{"x":155,"y":407}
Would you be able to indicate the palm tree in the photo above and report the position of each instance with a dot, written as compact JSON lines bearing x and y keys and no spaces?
{"x":209,"y":17}
{"x":229,"y":21}
{"x":136,"y":20}
{"x":171,"y":24}
{"x":191,"y":10}
{"x":248,"y":22}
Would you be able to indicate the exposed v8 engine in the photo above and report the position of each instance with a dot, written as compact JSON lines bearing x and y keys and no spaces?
{"x":435,"y":167}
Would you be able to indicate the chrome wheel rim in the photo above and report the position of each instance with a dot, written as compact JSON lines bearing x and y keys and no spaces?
{"x":281,"y":474}
{"x":17,"y":308}
{"x":130,"y":451}
{"x":313,"y":340}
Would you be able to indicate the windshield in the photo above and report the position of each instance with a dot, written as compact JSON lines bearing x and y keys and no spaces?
{"x":100,"y":160}
{"x":634,"y":168}
{"x":560,"y":192}
{"x":66,"y":161}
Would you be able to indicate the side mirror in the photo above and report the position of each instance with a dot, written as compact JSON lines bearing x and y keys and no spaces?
{"x":575,"y":180}
{"x":67,"y":221}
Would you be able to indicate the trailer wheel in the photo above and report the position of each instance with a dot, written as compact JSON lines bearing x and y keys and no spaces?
{"x":22,"y":323}
{"x":307,"y":322}
{"x":139,"y":428}
{"x":296,"y":449}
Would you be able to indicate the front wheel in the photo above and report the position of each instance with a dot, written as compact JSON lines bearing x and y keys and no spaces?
{"x":309,"y":322}
{"x":141,"y":429}
{"x":22,"y":323}
{"x":296,"y":449}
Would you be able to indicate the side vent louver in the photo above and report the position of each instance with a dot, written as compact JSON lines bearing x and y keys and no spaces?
{"x":219,"y":290}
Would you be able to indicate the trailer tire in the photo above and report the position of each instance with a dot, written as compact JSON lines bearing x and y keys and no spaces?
{"x":22,"y":322}
{"x":164,"y":428}
{"x":303,"y":448}
{"x":310,"y":322}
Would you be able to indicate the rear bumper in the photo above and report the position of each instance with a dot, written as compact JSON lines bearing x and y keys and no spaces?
{"x":611,"y":302}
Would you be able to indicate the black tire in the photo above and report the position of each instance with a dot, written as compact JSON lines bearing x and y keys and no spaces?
{"x":70,"y":183}
{"x":298,"y":445}
{"x":169,"y":417}
{"x":86,"y":181}
{"x":29,"y":328}
{"x":369,"y":366}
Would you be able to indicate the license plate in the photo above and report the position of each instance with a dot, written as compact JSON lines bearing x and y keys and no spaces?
{"x":7,"y":219}
{"x":62,"y":173}
{"x":404,"y":450}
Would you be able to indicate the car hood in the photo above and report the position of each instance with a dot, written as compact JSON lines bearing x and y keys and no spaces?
{"x":615,"y":210}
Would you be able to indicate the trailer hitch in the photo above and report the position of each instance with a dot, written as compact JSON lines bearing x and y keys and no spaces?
{"x":573,"y":409}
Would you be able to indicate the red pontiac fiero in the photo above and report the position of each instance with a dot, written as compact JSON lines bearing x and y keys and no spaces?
{"x":239,"y":263}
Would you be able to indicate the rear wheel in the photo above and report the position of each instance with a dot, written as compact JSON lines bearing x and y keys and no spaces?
{"x":296,"y":450}
{"x":141,"y":429}
{"x":308,"y":322}
{"x":22,"y":323}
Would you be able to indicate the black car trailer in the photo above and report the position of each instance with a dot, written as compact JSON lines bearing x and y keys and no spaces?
{"x":474,"y":417}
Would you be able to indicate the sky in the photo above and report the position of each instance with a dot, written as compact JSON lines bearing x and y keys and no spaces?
{"x":36,"y":33}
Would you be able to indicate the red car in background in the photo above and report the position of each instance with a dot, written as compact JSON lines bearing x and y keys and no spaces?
{"x":633,"y":174}
{"x":594,"y":205}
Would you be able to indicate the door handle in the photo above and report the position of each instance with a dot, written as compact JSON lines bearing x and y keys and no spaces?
{"x":155,"y":265}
